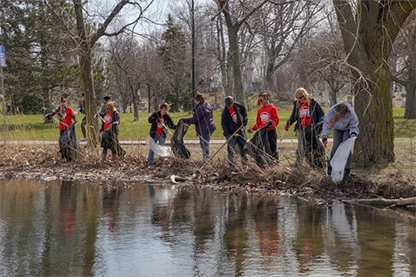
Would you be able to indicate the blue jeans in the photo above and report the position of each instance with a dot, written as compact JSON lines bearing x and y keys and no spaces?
{"x":204,"y":143}
{"x":240,"y":141}
{"x":151,"y":157}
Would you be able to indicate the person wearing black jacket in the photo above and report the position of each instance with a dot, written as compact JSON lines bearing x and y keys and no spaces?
{"x":308,"y":115}
{"x":233,"y":120}
{"x":109,"y":133}
{"x":160,"y":120}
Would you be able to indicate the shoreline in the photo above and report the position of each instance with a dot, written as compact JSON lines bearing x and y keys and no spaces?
{"x":43,"y":163}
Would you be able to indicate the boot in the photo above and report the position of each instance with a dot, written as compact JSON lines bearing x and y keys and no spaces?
{"x":103,"y":156}
{"x":347,"y":175}
{"x":115,"y":158}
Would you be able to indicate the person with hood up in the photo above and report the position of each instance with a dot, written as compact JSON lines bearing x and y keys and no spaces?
{"x":204,"y":123}
{"x":342,"y":118}
{"x":233,"y":119}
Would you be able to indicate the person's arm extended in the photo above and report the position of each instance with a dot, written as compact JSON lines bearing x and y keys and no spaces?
{"x":169,"y":122}
{"x":293,"y":117}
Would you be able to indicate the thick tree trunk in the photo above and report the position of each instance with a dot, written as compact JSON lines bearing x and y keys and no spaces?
{"x":368,"y":44}
{"x":373,"y":106}
{"x":88,"y":87}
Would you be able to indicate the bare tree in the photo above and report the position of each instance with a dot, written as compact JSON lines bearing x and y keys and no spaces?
{"x":86,"y":38}
{"x":368,"y":30}
{"x":282,"y":25}
{"x":236,"y":13}
{"x":403,"y":64}
{"x":125,"y":66}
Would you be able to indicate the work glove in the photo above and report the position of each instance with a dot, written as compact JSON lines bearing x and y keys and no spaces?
{"x":353,"y":135}
{"x":286,"y":128}
{"x":324,"y":141}
{"x":250,"y":130}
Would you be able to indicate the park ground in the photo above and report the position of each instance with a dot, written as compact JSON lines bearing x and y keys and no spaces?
{"x":42,"y":161}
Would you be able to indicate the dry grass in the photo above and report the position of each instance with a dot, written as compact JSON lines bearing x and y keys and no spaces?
{"x":389,"y":181}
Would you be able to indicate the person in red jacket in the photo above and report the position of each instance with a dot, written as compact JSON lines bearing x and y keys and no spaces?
{"x":267,"y":114}
{"x":66,"y":117}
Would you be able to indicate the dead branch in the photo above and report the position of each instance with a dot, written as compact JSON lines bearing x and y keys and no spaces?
{"x":382,"y":202}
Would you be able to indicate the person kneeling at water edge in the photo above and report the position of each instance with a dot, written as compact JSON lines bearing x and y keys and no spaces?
{"x":109,"y":133}
{"x":342,"y":118}
{"x":233,"y":119}
{"x":267,"y":115}
{"x":159,"y":121}
{"x":308,"y":115}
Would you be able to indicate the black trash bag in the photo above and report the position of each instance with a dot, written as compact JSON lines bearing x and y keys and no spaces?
{"x":110,"y":141}
{"x":177,"y":145}
{"x":259,"y":148}
{"x":314,"y":150}
{"x":68,"y":144}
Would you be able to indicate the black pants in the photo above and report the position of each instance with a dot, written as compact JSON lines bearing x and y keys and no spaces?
{"x":83,"y":123}
{"x":272,"y":135}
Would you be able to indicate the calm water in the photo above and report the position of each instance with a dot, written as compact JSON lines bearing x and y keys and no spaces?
{"x":73,"y":229}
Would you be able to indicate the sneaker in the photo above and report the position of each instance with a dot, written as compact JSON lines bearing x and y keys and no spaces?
{"x":84,"y":139}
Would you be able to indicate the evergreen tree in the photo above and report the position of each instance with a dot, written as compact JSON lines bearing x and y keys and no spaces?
{"x":173,"y":53}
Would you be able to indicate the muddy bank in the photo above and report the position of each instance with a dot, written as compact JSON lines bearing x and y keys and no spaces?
{"x":44,"y":163}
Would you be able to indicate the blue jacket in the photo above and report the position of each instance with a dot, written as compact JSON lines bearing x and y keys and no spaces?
{"x":203,"y":119}
{"x":348,"y":122}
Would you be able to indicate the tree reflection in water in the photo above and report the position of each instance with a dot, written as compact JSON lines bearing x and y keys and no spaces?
{"x":77,"y":229}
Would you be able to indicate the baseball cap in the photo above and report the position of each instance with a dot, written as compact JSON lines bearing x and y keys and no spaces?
{"x":228,"y":101}
{"x":107,"y":97}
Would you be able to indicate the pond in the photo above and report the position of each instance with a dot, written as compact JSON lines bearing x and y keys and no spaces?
{"x":78,"y":229}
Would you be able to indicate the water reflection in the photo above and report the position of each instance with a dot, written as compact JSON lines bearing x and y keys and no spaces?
{"x":63,"y":228}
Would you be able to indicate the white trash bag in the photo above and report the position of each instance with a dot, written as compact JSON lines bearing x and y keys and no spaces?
{"x":340,"y":158}
{"x":160,"y":150}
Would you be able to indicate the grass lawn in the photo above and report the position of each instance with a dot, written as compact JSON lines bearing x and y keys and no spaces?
{"x":31,"y":127}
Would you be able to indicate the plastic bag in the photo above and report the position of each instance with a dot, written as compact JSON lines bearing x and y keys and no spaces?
{"x":160,"y":150}
{"x":340,"y":158}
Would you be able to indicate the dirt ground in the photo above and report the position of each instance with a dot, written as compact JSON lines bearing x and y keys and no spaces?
{"x":43,"y":162}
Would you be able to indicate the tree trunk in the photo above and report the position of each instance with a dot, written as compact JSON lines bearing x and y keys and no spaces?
{"x":88,"y":86}
{"x":46,"y":98}
{"x":238,"y":90}
{"x":149,"y":97}
{"x":134,"y":97}
{"x":410,"y":110}
{"x":222,"y":57}
{"x":85,"y":62}
{"x":270,"y":69}
{"x":368,"y":44}
{"x":373,"y":106}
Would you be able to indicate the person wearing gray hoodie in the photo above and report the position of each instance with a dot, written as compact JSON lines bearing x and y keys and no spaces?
{"x":342,"y":118}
